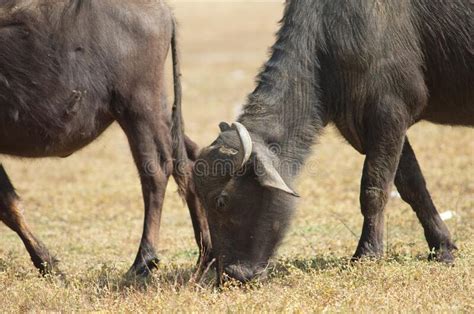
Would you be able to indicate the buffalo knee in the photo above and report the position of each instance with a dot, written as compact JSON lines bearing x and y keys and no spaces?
{"x":373,"y":201}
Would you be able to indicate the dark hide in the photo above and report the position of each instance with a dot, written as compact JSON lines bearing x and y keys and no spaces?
{"x":373,"y":68}
{"x":68,"y":70}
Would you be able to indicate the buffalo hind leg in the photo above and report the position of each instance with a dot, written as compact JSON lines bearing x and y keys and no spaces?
{"x":384,"y":141}
{"x":12,"y":216}
{"x":411,"y":184}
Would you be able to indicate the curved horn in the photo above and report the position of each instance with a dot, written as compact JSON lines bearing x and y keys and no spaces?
{"x":245,"y":143}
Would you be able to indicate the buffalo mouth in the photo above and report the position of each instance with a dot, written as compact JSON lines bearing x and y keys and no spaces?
{"x":240,"y":272}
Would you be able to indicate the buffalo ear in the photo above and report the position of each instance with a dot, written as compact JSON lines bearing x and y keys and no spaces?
{"x":224,"y":126}
{"x":267,"y":173}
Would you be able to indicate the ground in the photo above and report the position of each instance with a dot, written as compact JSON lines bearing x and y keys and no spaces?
{"x":88,"y":208}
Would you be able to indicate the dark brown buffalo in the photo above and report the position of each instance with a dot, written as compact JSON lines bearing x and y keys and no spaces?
{"x":68,"y":70}
{"x":373,"y":68}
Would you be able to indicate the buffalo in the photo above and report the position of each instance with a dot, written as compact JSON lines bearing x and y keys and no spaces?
{"x":68,"y":70}
{"x":373,"y":69}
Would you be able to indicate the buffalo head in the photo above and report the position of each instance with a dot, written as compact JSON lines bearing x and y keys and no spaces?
{"x":241,"y":184}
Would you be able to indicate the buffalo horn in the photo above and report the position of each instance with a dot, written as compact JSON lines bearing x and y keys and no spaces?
{"x":245,"y":143}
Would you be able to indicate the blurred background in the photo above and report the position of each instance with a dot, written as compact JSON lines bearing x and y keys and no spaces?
{"x":88,"y":208}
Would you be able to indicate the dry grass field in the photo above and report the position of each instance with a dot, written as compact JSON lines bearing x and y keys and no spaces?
{"x":88,"y":208}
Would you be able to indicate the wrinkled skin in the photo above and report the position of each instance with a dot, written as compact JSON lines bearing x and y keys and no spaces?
{"x":234,"y":199}
{"x":372,"y":69}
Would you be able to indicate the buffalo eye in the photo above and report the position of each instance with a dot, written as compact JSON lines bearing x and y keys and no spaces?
{"x":221,"y":202}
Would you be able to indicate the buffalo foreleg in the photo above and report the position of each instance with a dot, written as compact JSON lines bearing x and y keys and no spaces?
{"x":412,"y":187}
{"x":384,"y":138}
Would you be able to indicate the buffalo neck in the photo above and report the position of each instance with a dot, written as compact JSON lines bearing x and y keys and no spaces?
{"x":284,"y":110}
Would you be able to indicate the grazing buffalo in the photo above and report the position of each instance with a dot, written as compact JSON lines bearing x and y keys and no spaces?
{"x":68,"y":70}
{"x":373,"y":69}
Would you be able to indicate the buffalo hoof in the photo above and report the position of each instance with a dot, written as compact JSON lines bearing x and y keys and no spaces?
{"x":47,"y":265}
{"x":360,"y":259}
{"x":143,"y":268}
{"x":145,"y":262}
{"x":367,"y":252}
{"x":444,"y":254}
